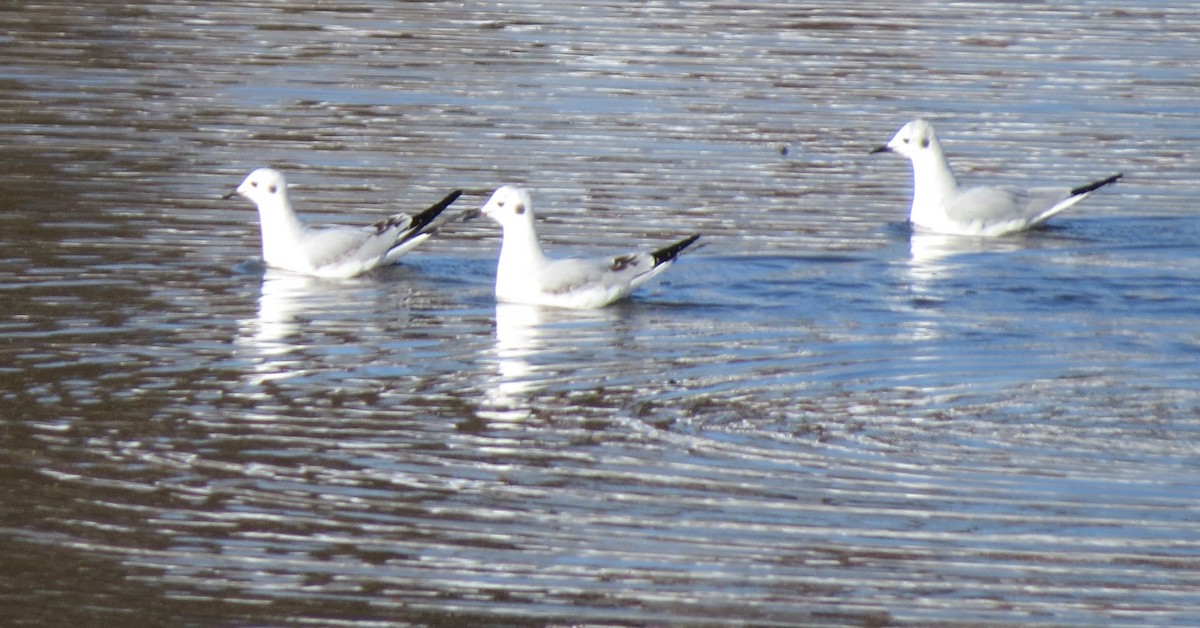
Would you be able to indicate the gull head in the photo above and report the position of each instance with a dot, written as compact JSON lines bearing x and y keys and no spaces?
{"x":509,"y":205}
{"x":912,"y":140}
{"x":263,"y":186}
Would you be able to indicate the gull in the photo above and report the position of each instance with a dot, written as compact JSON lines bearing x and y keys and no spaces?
{"x":525,"y":275}
{"x":941,"y":206}
{"x":337,"y":251}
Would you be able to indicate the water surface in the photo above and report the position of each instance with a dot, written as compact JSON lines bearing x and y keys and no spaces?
{"x":817,"y":418}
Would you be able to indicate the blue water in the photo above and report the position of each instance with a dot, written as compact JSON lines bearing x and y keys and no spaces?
{"x":818,"y":417}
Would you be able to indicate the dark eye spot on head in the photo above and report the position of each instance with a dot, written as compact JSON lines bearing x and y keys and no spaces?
{"x":273,"y":189}
{"x":906,"y":140}
{"x":519,"y":209}
{"x":254,"y":184}
{"x":925,"y":142}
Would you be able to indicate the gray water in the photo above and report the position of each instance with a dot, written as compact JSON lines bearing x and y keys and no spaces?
{"x":816,"y":418}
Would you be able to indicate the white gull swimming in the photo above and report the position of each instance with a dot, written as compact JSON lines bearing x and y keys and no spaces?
{"x":336,"y":251}
{"x":525,"y":275}
{"x":940,"y":205}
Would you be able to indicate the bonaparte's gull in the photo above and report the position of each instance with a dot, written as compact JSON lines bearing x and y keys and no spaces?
{"x":337,"y":251}
{"x":526,"y":275}
{"x":941,"y":206}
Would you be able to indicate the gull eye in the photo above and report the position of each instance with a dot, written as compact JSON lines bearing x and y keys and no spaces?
{"x":254,"y":184}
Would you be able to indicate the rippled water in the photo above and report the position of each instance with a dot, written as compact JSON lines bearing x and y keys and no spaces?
{"x":817,"y":418}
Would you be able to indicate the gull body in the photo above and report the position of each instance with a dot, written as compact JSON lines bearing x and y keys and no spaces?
{"x":940,"y":205}
{"x":337,"y":251}
{"x":525,"y":274}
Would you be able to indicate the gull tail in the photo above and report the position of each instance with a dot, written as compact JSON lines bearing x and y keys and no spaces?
{"x":1092,"y":187}
{"x":1076,"y":195}
{"x":668,"y":253}
{"x":418,"y":225}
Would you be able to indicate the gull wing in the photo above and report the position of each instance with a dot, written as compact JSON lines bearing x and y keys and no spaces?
{"x":606,"y":275}
{"x":994,"y":211}
{"x":336,"y":246}
{"x":587,"y":283}
{"x":409,"y":232}
{"x":340,"y":250}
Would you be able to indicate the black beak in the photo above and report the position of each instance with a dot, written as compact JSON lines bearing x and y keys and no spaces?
{"x":471,"y":214}
{"x":229,"y":196}
{"x":882,"y":149}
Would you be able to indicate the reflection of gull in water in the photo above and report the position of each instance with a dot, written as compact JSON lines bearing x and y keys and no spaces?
{"x":932,"y":253}
{"x":517,"y":339}
{"x":933,"y":260}
{"x":282,"y":296}
{"x":287,"y":299}
{"x":530,"y":339}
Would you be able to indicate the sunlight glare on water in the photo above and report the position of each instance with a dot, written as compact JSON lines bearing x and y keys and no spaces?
{"x":817,"y":417}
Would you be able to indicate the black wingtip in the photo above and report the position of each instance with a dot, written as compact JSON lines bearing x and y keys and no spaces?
{"x":668,"y":253}
{"x":423,"y":219}
{"x":1091,"y":187}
